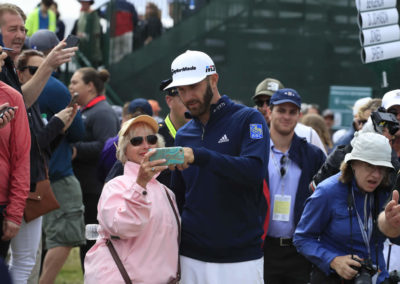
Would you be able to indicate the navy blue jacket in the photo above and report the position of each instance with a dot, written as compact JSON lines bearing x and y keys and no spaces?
{"x":220,"y":195}
{"x":54,"y":98}
{"x":309,"y":158}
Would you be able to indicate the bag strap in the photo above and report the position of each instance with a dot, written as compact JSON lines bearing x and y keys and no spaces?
{"x":178,"y":273}
{"x":118,"y":261}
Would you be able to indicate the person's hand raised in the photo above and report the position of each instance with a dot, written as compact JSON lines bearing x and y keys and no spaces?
{"x":149,"y":168}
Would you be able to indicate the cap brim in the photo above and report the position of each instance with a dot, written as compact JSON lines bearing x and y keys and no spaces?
{"x":141,"y":118}
{"x":393,"y":102}
{"x":284,"y":101}
{"x":184,"y":82}
{"x":386,"y":164}
{"x":263,"y":94}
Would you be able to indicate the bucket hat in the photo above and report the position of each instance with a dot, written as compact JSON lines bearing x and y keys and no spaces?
{"x":371,"y":148}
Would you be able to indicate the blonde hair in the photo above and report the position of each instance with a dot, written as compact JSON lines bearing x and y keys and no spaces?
{"x":371,"y":105}
{"x":318,"y":124}
{"x":124,"y":140}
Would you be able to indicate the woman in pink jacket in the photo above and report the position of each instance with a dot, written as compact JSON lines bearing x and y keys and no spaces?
{"x":137,"y":214}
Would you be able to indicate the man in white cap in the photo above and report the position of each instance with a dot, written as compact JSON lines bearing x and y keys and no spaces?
{"x":391,"y":102}
{"x":220,"y":192}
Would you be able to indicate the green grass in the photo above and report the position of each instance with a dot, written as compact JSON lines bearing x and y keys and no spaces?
{"x":71,"y":272}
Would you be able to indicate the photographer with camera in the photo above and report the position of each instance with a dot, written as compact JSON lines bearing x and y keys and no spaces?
{"x":338,"y":230}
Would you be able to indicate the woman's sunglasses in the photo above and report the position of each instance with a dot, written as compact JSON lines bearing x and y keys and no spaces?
{"x":32,"y":69}
{"x":138,"y":140}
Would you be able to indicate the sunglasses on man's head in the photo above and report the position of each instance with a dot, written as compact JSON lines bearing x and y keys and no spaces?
{"x":138,"y":140}
{"x":260,"y":103}
{"x":32,"y":69}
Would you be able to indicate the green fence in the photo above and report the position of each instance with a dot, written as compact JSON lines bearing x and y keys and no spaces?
{"x":309,"y":45}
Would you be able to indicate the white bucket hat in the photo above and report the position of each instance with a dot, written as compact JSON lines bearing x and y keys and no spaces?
{"x":190,"y":68}
{"x":371,"y":148}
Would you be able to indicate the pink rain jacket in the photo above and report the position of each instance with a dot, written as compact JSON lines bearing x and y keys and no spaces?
{"x":146,"y":226}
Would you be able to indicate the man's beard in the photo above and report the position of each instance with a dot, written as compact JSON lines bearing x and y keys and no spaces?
{"x":204,"y":106}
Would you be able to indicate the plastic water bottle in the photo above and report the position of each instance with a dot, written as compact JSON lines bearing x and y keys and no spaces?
{"x":91,"y":232}
{"x":44,"y":118}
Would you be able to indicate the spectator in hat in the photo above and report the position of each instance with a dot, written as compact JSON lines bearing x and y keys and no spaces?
{"x":222,"y":205}
{"x":337,"y":223}
{"x":264,"y":90}
{"x":43,"y":40}
{"x":292,"y":164}
{"x":391,"y":102}
{"x":138,"y":215}
{"x":41,"y":17}
{"x":108,"y":166}
{"x":261,"y":98}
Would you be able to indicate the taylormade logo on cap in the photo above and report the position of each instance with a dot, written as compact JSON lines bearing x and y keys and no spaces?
{"x":190,"y":68}
{"x":182,"y":69}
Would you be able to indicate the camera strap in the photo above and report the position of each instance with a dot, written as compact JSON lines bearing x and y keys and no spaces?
{"x":366,"y":226}
{"x":373,"y":225}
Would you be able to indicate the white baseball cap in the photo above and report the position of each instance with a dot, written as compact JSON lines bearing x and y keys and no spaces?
{"x":365,"y":147}
{"x":359,"y":103}
{"x":391,"y":98}
{"x":190,"y":68}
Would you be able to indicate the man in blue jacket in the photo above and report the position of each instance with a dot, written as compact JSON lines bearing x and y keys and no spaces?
{"x":219,"y":187}
{"x":292,"y":164}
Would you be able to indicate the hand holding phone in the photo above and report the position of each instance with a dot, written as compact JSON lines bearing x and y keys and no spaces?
{"x":74,"y":100}
{"x":4,"y":110}
{"x":72,"y":41}
{"x":173,"y":155}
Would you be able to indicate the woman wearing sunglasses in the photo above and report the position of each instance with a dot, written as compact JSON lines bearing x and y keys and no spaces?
{"x":137,"y":214}
{"x":338,"y":229}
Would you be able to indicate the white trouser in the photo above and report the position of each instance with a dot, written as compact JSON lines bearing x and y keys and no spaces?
{"x":24,"y":248}
{"x":200,"y":272}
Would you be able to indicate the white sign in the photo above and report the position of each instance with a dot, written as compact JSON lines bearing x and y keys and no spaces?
{"x":378,"y":18}
{"x":368,"y":5}
{"x":379,"y":35}
{"x":380,"y":52}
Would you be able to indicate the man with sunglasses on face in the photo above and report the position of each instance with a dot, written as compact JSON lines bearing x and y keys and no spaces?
{"x":219,"y":188}
{"x":292,"y":164}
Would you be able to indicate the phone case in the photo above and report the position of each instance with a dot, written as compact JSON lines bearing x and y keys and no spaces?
{"x":173,"y":155}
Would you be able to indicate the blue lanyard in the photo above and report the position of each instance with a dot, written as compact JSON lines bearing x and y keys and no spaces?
{"x":366,"y":227}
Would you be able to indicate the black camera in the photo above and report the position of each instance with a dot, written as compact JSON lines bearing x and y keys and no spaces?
{"x":365,"y":272}
{"x":382,"y":119}
{"x":394,"y":277}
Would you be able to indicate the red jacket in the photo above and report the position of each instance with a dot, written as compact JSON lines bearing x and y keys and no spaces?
{"x":15,"y":145}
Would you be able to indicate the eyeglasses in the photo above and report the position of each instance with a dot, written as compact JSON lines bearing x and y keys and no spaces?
{"x":138,"y":140}
{"x":283,"y":164}
{"x":32,"y":69}
{"x":260,"y":103}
